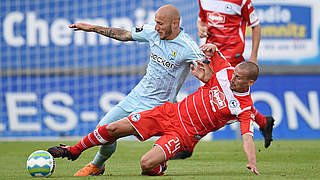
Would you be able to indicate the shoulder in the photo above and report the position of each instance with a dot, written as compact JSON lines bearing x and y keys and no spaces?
{"x":146,"y":28}
{"x":245,"y":102}
{"x":188,"y":43}
{"x":244,"y":98}
{"x":146,"y":32}
{"x":183,"y":36}
{"x":149,"y":27}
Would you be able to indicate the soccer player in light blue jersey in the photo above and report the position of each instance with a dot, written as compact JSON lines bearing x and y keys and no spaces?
{"x":171,"y":53}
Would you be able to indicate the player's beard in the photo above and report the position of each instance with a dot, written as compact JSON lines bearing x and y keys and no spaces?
{"x":167,"y":33}
{"x":233,"y":86}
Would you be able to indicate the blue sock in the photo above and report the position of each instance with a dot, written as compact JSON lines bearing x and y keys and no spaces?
{"x":104,"y":154}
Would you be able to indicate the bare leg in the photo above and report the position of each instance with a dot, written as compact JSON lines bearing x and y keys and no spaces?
{"x":153,"y":162}
{"x":103,"y":135}
{"x":106,"y":151}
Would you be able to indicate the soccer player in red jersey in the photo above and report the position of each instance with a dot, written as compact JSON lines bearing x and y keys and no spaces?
{"x":223,"y":99}
{"x":224,"y":23}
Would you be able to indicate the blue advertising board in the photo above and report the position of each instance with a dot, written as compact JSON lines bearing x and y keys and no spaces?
{"x":289,"y":32}
{"x":70,"y":111}
{"x":44,"y":92}
{"x":35,"y":34}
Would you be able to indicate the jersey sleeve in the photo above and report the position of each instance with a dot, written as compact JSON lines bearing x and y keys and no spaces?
{"x":202,"y":14}
{"x":218,"y":62}
{"x":246,"y":119}
{"x":192,"y":52}
{"x":144,"y":33}
{"x":249,"y":14}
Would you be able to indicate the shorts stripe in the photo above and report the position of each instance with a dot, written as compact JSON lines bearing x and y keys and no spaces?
{"x":165,"y":155}
{"x":142,"y":138}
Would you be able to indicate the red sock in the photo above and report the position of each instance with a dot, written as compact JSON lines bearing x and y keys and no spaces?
{"x":155,"y":172}
{"x":260,"y":119}
{"x":158,"y":171}
{"x":98,"y":137}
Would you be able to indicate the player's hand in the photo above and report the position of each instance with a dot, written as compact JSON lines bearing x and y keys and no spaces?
{"x":202,"y":71}
{"x":203,"y":32}
{"x":82,"y":26}
{"x":208,"y":49}
{"x":253,"y":169}
{"x":198,"y":70}
{"x":202,"y":29}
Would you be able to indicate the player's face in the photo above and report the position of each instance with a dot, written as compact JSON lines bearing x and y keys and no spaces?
{"x":239,"y":81}
{"x":163,"y":27}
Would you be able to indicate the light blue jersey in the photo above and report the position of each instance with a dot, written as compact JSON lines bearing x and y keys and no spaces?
{"x":168,"y":67}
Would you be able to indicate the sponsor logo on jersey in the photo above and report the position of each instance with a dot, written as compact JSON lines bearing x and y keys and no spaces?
{"x":217,"y":97}
{"x":161,"y":60}
{"x":135,"y":117}
{"x":215,"y":18}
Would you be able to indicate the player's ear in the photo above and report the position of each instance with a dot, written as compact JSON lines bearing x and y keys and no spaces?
{"x":251,"y":82}
{"x":176,"y":23}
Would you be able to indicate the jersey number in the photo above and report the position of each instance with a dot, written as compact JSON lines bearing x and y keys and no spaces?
{"x":173,"y":142}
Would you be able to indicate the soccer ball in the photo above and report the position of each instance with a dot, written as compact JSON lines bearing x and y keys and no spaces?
{"x":40,"y":164}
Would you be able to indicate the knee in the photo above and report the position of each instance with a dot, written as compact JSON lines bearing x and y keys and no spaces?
{"x":112,"y":129}
{"x":146,"y":164}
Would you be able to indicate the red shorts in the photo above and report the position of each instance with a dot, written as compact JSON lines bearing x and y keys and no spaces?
{"x":163,"y":121}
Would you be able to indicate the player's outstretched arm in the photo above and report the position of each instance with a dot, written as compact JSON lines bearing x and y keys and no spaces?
{"x":256,"y":36}
{"x":115,"y":33}
{"x":249,"y":149}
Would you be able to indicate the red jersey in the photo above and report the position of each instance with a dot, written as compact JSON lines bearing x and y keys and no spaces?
{"x":215,"y":104}
{"x":227,"y":21}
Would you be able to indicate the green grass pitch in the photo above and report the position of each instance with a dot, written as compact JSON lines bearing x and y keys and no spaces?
{"x":211,"y":160}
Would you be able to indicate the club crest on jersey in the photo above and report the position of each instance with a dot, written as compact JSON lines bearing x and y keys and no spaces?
{"x":228,"y":7}
{"x":139,"y":28}
{"x":217,"y":97}
{"x":135,"y":117}
{"x":215,"y":18}
{"x":253,"y":116}
{"x":233,"y":103}
{"x":173,"y":55}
